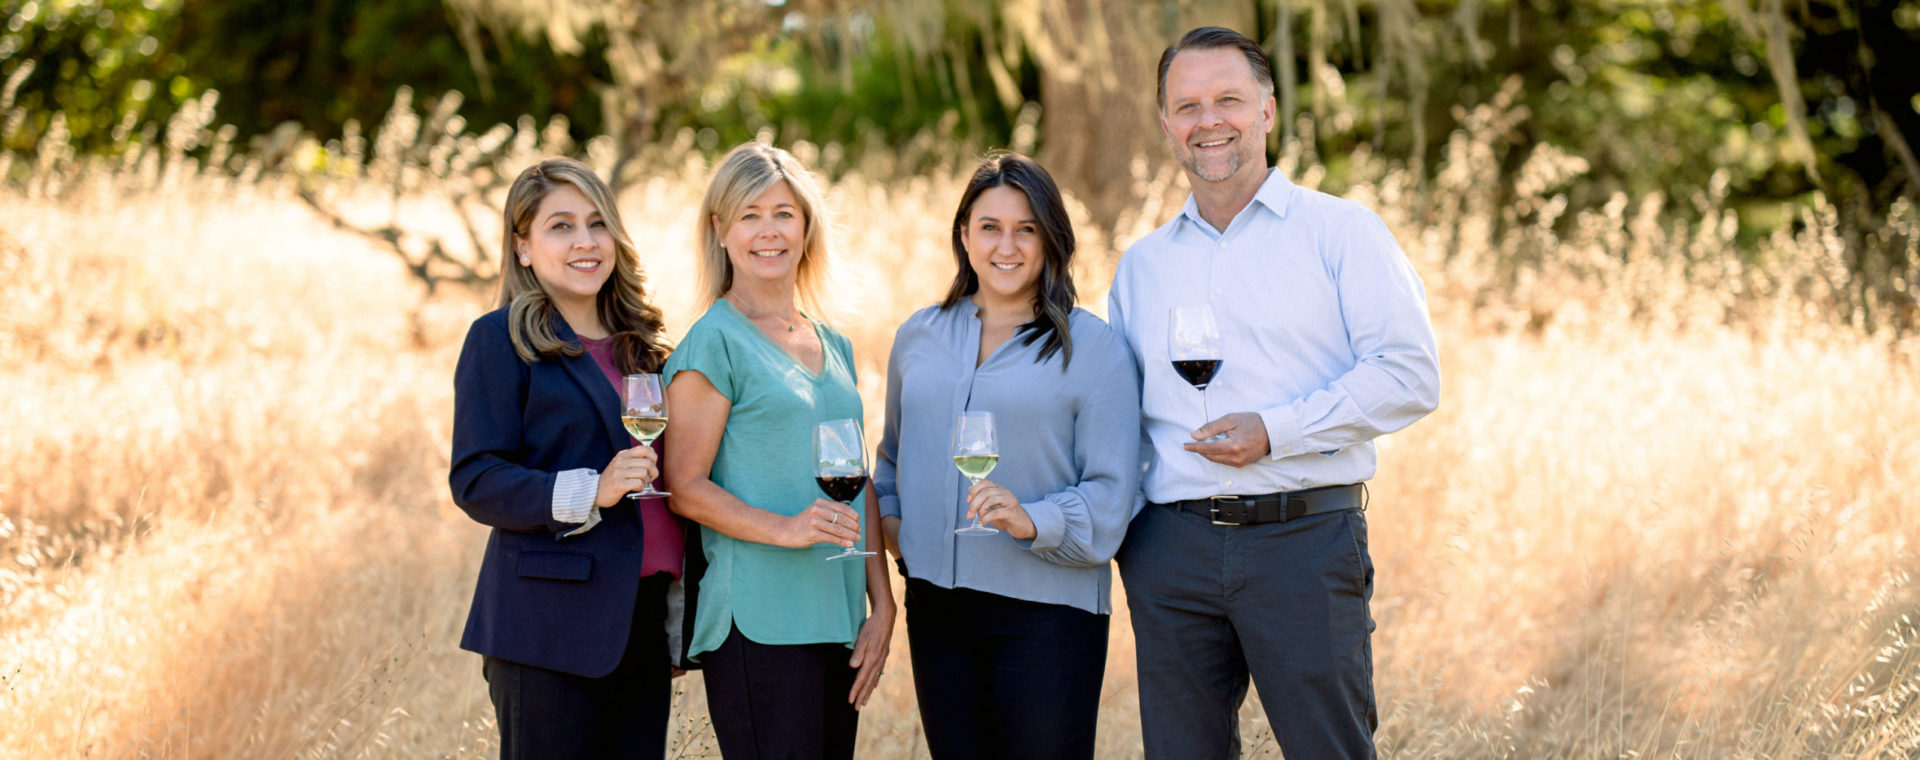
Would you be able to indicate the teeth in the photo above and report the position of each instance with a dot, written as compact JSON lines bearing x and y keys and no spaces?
{"x":584,"y":263}
{"x":1213,"y":143}
{"x":768,"y":254}
{"x":1006,"y":267}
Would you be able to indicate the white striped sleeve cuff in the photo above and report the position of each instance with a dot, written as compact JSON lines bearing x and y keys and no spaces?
{"x":573,"y":492}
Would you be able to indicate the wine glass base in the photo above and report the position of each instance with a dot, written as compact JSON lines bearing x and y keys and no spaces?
{"x":638,"y":495}
{"x":976,"y":530}
{"x":849,"y":554}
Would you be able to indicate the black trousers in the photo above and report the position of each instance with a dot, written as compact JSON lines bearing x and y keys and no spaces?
{"x":999,"y":677}
{"x":549,"y":714}
{"x":780,"y":702}
{"x":1284,"y":602}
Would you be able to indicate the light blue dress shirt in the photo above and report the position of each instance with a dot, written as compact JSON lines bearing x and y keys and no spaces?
{"x":1324,"y":333}
{"x":1069,"y":451}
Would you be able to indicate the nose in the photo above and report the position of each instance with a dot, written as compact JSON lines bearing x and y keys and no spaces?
{"x":1004,"y":243}
{"x":1209,"y":116}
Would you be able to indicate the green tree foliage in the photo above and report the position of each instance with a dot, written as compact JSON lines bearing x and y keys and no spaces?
{"x":113,"y":66}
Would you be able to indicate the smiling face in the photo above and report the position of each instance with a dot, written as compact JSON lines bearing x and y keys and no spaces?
{"x":766,"y":238}
{"x":568,"y":246}
{"x":1217,"y":116}
{"x":1004,"y":244}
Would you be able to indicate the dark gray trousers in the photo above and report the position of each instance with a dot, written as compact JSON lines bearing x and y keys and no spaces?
{"x":1286,"y":603}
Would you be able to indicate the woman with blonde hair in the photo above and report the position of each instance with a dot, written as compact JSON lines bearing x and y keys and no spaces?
{"x":747,"y":386}
{"x":570,"y":612}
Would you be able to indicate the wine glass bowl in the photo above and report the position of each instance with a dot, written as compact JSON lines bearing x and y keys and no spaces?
{"x":643,"y":412}
{"x":1193,"y":345}
{"x":976,"y":450}
{"x":840,"y":467}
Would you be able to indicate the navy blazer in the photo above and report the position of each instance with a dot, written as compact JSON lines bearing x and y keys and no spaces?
{"x":558,"y":603}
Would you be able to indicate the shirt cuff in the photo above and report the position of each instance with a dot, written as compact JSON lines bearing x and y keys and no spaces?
{"x":890,"y":506}
{"x":1049,"y":526}
{"x":1283,"y":432}
{"x":573,"y":492}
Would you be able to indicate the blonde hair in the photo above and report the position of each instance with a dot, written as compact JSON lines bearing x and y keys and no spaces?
{"x":639,"y":339}
{"x":745,"y":173}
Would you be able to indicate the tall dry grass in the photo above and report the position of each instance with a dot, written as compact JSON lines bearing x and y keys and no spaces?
{"x":1653,"y":517}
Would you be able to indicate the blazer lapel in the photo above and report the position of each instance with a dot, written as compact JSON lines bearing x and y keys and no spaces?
{"x":606,"y":401}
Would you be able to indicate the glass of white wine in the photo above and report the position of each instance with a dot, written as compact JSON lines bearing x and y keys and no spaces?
{"x":840,"y":467}
{"x":975,"y":452}
{"x":643,"y":410}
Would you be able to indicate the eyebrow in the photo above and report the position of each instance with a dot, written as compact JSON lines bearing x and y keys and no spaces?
{"x":985,"y":218}
{"x":569,"y":214}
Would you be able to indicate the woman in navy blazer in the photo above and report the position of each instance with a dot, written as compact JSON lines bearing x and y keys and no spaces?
{"x":570,"y":609}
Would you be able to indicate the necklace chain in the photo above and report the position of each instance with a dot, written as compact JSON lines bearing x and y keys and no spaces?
{"x":790,"y":322}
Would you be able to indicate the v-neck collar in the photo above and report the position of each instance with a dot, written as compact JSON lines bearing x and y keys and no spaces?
{"x":977,"y":332}
{"x":585,"y":372}
{"x":782,"y":350}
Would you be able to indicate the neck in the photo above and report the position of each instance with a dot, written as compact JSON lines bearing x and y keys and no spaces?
{"x":762,"y":299}
{"x":1220,"y":202}
{"x":582,"y":317}
{"x":995,"y":308}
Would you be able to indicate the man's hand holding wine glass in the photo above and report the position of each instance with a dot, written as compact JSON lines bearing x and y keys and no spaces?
{"x":1245,"y":440}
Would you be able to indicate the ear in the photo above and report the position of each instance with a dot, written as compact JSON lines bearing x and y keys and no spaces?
{"x":1165,"y":129}
{"x":1268,"y":112}
{"x":719,"y":230}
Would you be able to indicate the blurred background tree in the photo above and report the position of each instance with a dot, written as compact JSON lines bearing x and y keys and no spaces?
{"x":1766,"y":107}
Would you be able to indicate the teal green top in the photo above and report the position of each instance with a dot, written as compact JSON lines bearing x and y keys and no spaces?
{"x":775,"y":595}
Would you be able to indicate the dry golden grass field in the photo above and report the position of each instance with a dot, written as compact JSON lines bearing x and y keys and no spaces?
{"x":1651,"y":518}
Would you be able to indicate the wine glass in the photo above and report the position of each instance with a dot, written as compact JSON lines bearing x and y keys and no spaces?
{"x":975,"y":452}
{"x":1193,"y":344}
{"x":643,"y":410}
{"x":840,"y":467}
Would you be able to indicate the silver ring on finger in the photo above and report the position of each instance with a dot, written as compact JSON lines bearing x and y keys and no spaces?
{"x":835,"y":520}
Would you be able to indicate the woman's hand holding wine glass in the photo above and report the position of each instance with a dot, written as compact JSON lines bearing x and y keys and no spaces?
{"x":990,"y":504}
{"x":825,"y":521}
{"x":626,"y":474}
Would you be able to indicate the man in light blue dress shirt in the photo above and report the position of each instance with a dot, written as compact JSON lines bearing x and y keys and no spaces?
{"x":1251,"y":557}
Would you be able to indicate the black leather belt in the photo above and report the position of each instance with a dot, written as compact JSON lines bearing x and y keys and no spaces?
{"x":1275,"y":507}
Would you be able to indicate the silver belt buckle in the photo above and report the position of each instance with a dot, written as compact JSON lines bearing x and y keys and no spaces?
{"x":1213,"y":510}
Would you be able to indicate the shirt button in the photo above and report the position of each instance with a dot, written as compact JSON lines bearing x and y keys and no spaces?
{"x":1228,"y":483}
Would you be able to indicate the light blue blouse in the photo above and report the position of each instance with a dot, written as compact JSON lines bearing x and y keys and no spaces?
{"x":1069,"y":451}
{"x":775,"y":595}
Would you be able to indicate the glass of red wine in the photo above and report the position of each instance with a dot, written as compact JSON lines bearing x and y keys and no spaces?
{"x":840,"y":467}
{"x":1193,"y":344}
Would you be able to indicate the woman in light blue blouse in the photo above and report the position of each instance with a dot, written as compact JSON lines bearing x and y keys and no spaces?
{"x":746,"y":386}
{"x":1008,"y":631}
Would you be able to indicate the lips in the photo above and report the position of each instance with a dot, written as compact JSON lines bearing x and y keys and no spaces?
{"x":771,"y":253}
{"x":584,"y":265}
{"x":1007,"y":266}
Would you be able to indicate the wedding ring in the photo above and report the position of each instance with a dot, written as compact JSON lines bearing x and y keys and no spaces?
{"x":835,"y":520}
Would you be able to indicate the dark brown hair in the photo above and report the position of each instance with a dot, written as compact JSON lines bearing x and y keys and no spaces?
{"x":1210,"y":38}
{"x":1053,"y":303}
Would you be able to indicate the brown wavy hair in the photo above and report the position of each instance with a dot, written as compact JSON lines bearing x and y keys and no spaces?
{"x":639,"y":339}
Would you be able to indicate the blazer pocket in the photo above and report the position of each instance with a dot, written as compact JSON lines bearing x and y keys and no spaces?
{"x":559,"y":566}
